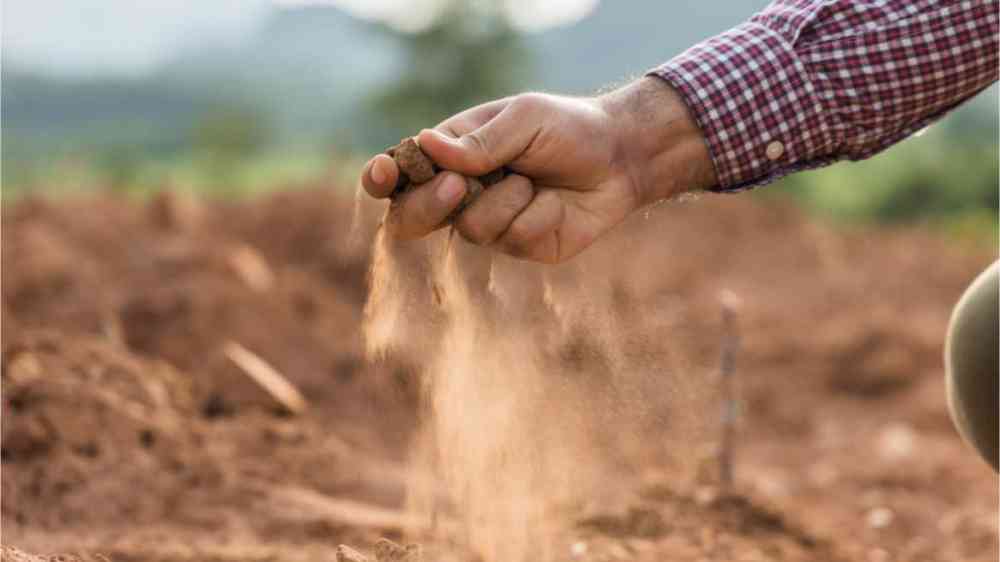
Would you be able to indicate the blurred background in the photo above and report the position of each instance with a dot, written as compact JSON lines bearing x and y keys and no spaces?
{"x":234,"y":96}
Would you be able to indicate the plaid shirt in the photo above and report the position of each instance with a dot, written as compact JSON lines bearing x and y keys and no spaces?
{"x":808,"y":82}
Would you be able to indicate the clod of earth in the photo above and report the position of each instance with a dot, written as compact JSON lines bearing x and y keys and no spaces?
{"x":11,"y":554}
{"x":639,"y":521}
{"x":385,"y":551}
{"x":348,"y":554}
{"x":416,"y":167}
{"x":388,"y":551}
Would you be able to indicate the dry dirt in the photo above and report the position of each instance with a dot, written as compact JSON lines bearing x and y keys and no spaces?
{"x":129,"y":433}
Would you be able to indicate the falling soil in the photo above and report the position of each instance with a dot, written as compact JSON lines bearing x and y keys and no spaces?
{"x":514,"y":411}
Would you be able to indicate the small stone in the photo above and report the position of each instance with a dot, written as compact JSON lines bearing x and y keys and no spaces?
{"x":618,"y":552}
{"x":706,"y":495}
{"x":897,"y":441}
{"x":348,"y":554}
{"x":24,"y":366}
{"x":878,"y":555}
{"x":880,"y":517}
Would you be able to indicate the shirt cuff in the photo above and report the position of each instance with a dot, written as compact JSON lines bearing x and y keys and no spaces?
{"x":756,"y":105}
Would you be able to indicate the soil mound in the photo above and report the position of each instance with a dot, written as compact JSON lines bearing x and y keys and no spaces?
{"x":84,"y":421}
{"x":128,"y":430}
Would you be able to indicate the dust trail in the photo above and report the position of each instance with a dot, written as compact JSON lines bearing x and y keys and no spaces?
{"x":506,"y":436}
{"x":533,"y":392}
{"x":354,"y":235}
{"x":383,"y":312}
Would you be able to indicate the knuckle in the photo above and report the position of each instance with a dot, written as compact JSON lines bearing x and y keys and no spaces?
{"x":416,"y":206}
{"x":515,"y":198}
{"x":518,"y":235}
{"x":478,"y":141}
{"x":547,"y":252}
{"x":529,"y":102}
{"x":430,"y":211}
{"x":514,"y":251}
{"x":472,"y":230}
{"x":522,"y":187}
{"x":482,"y":145}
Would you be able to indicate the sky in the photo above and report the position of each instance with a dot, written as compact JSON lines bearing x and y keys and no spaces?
{"x":527,"y":15}
{"x":131,"y":37}
{"x":119,"y":36}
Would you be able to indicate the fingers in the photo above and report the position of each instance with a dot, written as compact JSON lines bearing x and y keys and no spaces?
{"x":534,"y":234}
{"x":499,"y":141}
{"x":379,"y":176}
{"x":380,"y":173}
{"x":424,"y":208}
{"x":492,"y":213}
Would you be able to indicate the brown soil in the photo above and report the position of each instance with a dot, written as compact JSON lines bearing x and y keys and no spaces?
{"x":128,"y":432}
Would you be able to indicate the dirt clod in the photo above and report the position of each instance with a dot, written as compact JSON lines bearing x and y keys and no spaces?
{"x":10,"y":554}
{"x":388,"y":551}
{"x":348,"y":554}
{"x":637,"y":520}
{"x":412,"y":161}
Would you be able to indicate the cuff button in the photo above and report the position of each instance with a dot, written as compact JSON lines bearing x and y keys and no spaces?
{"x":775,"y":150}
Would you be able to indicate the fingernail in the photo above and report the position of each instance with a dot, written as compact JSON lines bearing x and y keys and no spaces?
{"x":451,"y":190}
{"x":377,"y":174}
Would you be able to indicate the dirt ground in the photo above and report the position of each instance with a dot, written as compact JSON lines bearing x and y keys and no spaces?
{"x":129,"y":432}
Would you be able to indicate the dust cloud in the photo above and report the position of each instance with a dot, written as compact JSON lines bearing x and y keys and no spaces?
{"x":540,"y":393}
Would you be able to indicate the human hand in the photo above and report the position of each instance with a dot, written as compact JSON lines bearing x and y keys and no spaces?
{"x":579,"y":167}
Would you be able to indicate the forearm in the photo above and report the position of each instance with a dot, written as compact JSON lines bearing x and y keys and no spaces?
{"x":660,"y":143}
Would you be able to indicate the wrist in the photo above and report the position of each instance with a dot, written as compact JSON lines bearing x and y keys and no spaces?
{"x":658,"y":141}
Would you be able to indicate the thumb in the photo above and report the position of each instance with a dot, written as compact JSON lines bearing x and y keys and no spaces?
{"x":496,"y":143}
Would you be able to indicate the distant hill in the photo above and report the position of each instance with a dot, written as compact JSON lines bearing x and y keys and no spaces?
{"x":309,"y":69}
{"x":624,"y":39}
{"x":307,"y":66}
{"x":41,"y":113}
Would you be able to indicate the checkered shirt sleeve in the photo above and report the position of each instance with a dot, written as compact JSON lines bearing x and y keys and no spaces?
{"x":805,"y":83}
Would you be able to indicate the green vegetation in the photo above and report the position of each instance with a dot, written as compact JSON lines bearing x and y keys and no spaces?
{"x":467,"y":56}
{"x":946,"y":177}
{"x":315,"y":92}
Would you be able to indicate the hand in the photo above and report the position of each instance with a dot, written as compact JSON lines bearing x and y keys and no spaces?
{"x":580,"y":166}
